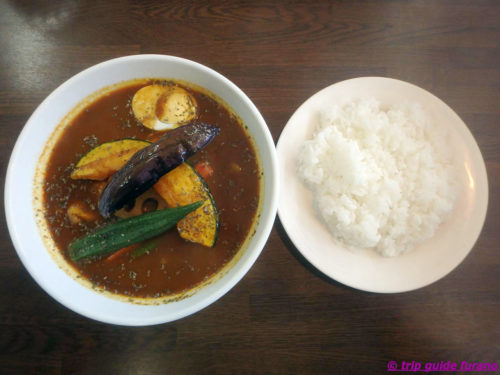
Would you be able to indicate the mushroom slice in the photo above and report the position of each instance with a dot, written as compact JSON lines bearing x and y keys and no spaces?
{"x":163,"y":107}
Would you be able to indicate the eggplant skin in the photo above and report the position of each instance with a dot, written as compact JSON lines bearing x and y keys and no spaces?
{"x":150,"y":163}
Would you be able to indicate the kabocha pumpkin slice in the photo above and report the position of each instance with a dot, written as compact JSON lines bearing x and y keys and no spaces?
{"x":104,"y":160}
{"x":164,"y":107}
{"x":182,"y":186}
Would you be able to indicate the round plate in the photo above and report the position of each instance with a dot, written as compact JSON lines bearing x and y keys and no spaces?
{"x":364,"y":268}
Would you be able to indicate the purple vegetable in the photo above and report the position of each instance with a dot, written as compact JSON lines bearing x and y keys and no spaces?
{"x":152,"y":162}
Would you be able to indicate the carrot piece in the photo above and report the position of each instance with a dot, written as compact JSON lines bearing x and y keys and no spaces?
{"x":204,"y":169}
{"x":119,"y":253}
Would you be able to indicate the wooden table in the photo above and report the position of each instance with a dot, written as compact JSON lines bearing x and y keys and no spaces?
{"x":283,"y":317}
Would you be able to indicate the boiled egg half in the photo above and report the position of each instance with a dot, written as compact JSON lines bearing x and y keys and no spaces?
{"x":164,"y":107}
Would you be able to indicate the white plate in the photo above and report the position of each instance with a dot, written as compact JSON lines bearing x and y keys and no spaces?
{"x":366,"y":269}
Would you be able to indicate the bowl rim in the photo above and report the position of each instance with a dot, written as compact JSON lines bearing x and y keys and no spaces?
{"x":232,"y":276}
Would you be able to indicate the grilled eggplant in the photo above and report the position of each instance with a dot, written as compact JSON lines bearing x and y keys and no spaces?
{"x":152,"y":162}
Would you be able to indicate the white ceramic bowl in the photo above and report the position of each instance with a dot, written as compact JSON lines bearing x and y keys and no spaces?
{"x":37,"y":131}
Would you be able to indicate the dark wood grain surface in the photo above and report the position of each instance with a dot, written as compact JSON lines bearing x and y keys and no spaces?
{"x":283,"y":317}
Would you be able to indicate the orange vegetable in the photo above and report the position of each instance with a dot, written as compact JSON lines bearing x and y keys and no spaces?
{"x":184,"y":185}
{"x":120,"y":252}
{"x":204,"y":169}
{"x":104,"y":160}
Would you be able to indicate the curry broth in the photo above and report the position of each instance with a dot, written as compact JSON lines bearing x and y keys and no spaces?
{"x":173,"y":265}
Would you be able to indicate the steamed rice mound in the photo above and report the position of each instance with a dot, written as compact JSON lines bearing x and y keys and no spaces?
{"x":380,"y":179}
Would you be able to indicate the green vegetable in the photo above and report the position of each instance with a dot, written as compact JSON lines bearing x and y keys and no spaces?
{"x":113,"y":237}
{"x":143,"y":250}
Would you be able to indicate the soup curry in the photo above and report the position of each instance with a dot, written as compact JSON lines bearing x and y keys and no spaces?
{"x":166,"y":264}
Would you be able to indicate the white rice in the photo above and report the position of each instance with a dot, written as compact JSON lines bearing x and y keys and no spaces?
{"x":380,"y":179}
